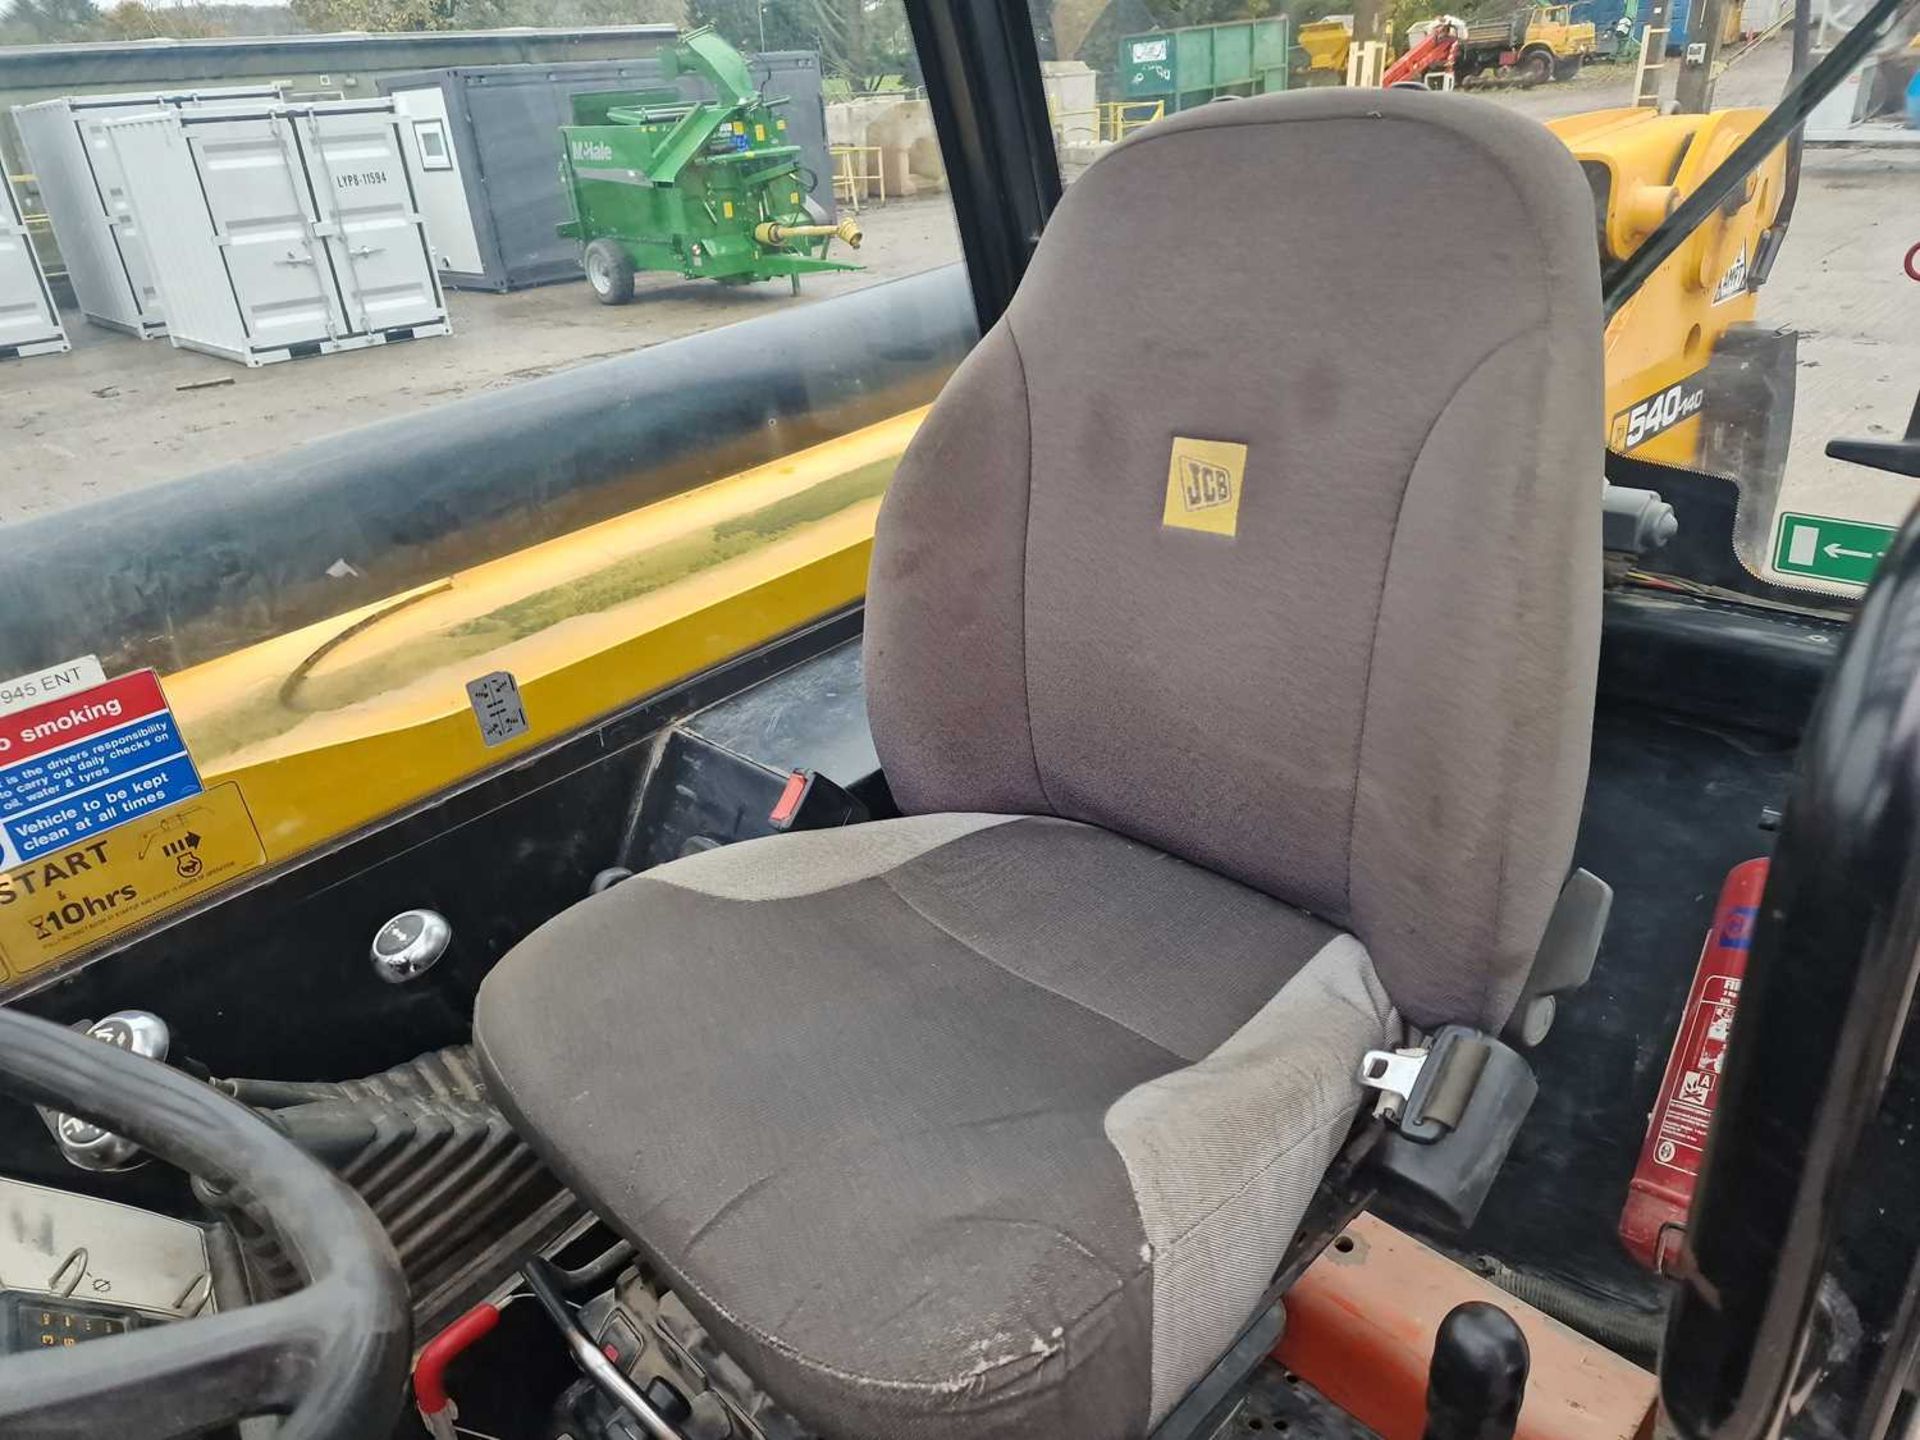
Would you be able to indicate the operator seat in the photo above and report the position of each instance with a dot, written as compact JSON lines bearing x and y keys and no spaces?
{"x":1231,"y":645}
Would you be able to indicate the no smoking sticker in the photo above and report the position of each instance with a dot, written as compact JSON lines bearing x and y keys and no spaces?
{"x":80,"y":764}
{"x":78,"y":896}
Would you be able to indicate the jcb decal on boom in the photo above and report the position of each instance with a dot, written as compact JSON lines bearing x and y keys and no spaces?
{"x":1656,"y":414}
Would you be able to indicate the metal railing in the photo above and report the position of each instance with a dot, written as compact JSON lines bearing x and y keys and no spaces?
{"x":1104,"y":122}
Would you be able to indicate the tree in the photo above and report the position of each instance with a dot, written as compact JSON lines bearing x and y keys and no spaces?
{"x":134,"y":20}
{"x":40,"y":22}
{"x":391,"y":15}
{"x":743,"y":23}
{"x":863,"y":42}
{"x":1171,"y":14}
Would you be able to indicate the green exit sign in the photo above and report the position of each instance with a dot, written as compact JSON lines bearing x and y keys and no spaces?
{"x":1829,"y":549}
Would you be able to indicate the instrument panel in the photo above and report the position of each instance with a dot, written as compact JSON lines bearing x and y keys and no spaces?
{"x":76,"y":1268}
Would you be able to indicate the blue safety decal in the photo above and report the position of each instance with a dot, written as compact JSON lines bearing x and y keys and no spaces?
{"x":86,"y":762}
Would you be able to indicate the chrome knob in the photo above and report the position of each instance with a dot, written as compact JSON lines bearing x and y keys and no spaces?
{"x":84,"y":1143}
{"x":410,"y":944}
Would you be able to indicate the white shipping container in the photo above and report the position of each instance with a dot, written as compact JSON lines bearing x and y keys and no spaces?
{"x":281,"y":230}
{"x":29,"y":320}
{"x":79,"y":179}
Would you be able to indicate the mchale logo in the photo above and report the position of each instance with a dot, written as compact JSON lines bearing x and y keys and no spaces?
{"x":1203,"y":485}
{"x":592,"y":150}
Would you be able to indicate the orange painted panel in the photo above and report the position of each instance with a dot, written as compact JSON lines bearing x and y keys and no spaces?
{"x":1360,"y":1328}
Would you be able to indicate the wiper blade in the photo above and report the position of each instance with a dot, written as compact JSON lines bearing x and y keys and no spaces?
{"x":1623,"y":280}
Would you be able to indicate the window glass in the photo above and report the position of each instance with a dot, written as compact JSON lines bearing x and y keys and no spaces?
{"x":1789,"y":321}
{"x":356,"y":355}
{"x":1786,"y":322}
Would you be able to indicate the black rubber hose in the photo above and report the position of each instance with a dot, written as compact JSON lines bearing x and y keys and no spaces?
{"x":1634,"y":1334}
{"x":597,"y":1272}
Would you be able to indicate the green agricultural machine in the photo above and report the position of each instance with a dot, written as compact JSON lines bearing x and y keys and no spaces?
{"x":709,"y":189}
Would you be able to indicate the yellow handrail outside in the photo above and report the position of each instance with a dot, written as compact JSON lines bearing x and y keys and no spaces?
{"x":853,"y":180}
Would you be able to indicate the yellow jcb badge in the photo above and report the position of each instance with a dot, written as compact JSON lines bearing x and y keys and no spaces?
{"x":1203,"y":485}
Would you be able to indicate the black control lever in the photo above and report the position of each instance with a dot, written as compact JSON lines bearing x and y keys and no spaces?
{"x":1896,"y":457}
{"x":1479,"y":1375}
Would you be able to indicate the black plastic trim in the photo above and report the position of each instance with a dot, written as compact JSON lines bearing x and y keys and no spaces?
{"x":982,"y":68}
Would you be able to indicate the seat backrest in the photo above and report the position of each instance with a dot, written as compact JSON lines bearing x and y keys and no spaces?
{"x":1265,"y":526}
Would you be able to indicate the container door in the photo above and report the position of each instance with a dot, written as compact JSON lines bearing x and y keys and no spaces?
{"x":112,"y":185}
{"x":263,"y":220}
{"x":370,"y":223}
{"x":26,"y":311}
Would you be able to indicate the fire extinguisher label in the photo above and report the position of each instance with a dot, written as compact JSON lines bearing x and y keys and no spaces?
{"x":1682,"y":1133}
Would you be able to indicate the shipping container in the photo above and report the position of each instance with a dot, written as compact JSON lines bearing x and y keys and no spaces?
{"x":486,"y":149}
{"x":80,"y":184}
{"x":1199,"y":63}
{"x":282,"y":230}
{"x":29,"y":320}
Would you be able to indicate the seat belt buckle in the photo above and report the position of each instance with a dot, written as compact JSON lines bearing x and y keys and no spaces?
{"x":1425,"y":1089}
{"x":1452,"y":1105}
{"x":810,"y":801}
{"x":1396,"y":1075}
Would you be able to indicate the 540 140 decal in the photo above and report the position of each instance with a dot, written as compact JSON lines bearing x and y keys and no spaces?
{"x":1656,"y":414}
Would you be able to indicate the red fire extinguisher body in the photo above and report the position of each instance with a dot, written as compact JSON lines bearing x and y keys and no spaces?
{"x":1655,"y":1216}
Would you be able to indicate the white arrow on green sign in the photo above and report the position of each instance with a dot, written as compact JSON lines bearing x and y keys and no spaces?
{"x":1830,"y":549}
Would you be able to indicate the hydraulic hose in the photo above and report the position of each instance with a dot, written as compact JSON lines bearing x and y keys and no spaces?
{"x":1634,"y":1334}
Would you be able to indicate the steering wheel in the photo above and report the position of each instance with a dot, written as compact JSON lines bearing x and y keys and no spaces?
{"x":331,"y":1357}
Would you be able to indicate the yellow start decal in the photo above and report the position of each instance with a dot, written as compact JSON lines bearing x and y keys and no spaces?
{"x":1203,"y":485}
{"x":69,"y":900}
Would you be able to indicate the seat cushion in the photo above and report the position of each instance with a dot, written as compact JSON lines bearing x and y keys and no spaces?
{"x":957,"y":1125}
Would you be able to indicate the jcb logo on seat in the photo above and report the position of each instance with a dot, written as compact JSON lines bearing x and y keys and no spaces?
{"x":1203,"y":485}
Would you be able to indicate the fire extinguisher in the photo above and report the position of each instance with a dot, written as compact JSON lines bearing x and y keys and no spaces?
{"x":1655,"y":1217}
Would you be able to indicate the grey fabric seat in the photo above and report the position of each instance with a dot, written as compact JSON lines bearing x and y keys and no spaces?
{"x":1231,"y":642}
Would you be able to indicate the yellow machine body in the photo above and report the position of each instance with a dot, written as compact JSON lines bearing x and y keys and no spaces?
{"x":1641,"y":165}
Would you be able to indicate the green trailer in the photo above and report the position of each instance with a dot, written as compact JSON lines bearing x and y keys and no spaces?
{"x":1197,"y":63}
{"x":708,"y":189}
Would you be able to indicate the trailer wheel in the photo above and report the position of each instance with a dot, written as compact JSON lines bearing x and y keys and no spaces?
{"x":609,"y":272}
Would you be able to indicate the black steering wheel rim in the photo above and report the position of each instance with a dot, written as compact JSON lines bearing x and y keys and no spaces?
{"x":331,"y":1358}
